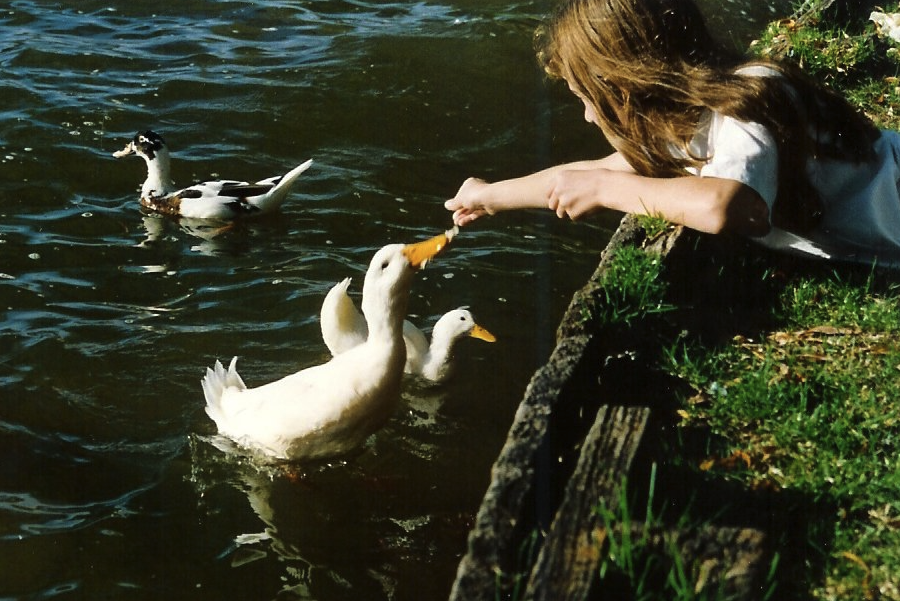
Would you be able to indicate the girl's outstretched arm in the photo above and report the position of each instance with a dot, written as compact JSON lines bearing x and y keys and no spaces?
{"x":477,"y":197}
{"x":706,"y":204}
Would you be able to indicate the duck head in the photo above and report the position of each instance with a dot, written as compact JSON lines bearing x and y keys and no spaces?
{"x":458,"y":323}
{"x":146,"y":144}
{"x":151,"y":147}
{"x":389,"y":277}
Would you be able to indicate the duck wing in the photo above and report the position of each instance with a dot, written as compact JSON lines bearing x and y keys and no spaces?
{"x":276,"y":188}
{"x":243,"y":190}
{"x":223,"y":199}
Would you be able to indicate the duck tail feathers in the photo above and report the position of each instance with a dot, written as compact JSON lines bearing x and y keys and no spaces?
{"x":215,"y":383}
{"x":276,"y":196}
{"x":343,"y":326}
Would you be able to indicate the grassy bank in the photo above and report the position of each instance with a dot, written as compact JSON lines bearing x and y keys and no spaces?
{"x":809,"y":408}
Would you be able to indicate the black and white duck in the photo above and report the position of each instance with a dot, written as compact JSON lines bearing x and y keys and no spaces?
{"x":221,"y":199}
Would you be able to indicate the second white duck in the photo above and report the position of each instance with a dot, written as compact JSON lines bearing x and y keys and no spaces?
{"x":343,"y":328}
{"x":221,"y":199}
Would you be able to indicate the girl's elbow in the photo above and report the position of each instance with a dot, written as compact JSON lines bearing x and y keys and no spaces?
{"x":744,"y":212}
{"x":758,"y":228}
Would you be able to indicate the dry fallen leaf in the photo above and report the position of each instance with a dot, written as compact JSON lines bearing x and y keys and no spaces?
{"x":731,"y":462}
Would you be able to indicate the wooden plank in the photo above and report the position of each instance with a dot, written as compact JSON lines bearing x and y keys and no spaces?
{"x":492,"y":545}
{"x":568,"y":560}
{"x":504,"y":512}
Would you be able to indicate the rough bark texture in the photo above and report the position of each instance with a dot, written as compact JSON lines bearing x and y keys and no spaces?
{"x":567,"y":563}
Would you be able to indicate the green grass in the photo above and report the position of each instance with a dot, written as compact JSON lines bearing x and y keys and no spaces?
{"x":631,"y":287}
{"x":815,"y":408}
{"x":861,"y":64}
{"x":627,"y":562}
{"x":634,"y":564}
{"x":654,"y":225}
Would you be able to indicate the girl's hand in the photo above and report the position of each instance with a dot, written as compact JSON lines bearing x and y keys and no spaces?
{"x":575,"y":193}
{"x":468,"y":204}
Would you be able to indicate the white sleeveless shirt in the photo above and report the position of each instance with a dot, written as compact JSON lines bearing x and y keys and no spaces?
{"x":861,"y":201}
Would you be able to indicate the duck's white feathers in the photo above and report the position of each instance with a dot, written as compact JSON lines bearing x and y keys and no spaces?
{"x":343,"y":328}
{"x":327,"y":409}
{"x":434,"y":361}
{"x":216,"y":382}
{"x":288,"y":419}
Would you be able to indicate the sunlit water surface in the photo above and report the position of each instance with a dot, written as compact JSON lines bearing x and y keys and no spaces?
{"x":109,"y":486}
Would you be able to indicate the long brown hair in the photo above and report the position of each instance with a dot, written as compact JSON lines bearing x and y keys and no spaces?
{"x":651,"y":70}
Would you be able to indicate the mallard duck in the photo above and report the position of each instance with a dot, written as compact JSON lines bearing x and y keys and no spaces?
{"x":222,"y":199}
{"x":343,"y":328}
{"x":329,"y":409}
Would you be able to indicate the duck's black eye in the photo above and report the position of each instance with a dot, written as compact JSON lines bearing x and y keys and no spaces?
{"x":462,"y":317}
{"x":385,"y":265}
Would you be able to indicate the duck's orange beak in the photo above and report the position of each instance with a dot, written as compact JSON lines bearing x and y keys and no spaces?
{"x":482,"y":334}
{"x":420,"y":253}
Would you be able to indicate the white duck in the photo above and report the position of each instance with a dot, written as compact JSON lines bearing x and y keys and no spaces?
{"x":343,"y":328}
{"x":329,"y":409}
{"x":223,"y":199}
{"x":433,"y":361}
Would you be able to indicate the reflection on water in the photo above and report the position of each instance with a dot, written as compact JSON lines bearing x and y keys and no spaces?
{"x":321,"y":522}
{"x":109,"y":487}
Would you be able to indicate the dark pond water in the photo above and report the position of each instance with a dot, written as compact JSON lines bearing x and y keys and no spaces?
{"x":108,"y":486}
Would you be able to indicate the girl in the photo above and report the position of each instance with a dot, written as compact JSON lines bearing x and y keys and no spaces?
{"x":703,"y":139}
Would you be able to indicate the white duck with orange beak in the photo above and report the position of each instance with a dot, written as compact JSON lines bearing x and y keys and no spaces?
{"x":329,"y":409}
{"x":344,"y":327}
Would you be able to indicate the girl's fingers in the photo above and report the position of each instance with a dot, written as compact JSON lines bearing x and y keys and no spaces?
{"x":556,"y":206}
{"x":553,"y":203}
{"x":462,"y":217}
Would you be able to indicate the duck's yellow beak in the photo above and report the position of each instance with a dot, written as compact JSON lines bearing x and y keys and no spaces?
{"x":482,"y":334}
{"x":129,"y":149}
{"x":421,"y":252}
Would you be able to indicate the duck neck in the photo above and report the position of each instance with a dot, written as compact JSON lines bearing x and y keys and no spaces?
{"x":158,"y":182}
{"x":438,"y":353}
{"x":389,"y":326}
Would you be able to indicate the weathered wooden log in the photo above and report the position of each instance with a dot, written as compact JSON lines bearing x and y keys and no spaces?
{"x":567,"y":563}
{"x":494,"y":539}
